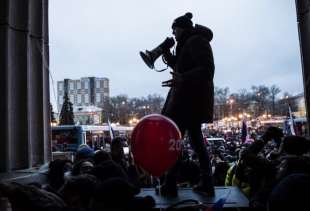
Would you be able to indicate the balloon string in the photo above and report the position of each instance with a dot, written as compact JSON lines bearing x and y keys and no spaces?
{"x":159,"y":191}
{"x":152,"y":181}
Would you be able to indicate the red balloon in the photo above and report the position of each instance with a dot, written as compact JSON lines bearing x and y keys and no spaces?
{"x":156,"y":143}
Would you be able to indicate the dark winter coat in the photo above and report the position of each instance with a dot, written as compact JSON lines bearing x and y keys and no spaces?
{"x":192,"y":100}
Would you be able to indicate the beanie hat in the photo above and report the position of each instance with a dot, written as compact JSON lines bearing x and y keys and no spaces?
{"x":84,"y":152}
{"x":184,"y":21}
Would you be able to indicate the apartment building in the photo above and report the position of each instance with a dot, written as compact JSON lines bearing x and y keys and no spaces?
{"x":87,"y":91}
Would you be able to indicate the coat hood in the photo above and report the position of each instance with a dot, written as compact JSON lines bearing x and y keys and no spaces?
{"x":203,"y":31}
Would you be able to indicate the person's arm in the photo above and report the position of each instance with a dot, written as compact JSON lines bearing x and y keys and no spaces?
{"x":202,"y":56}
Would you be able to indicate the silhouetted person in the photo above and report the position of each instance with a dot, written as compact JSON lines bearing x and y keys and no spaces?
{"x":191,"y":96}
{"x":56,"y":173}
{"x":30,"y":198}
{"x":78,"y":191}
{"x":292,"y":193}
{"x":101,"y":156}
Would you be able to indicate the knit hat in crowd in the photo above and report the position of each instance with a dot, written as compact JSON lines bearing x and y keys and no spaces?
{"x":84,"y":152}
{"x":184,"y":21}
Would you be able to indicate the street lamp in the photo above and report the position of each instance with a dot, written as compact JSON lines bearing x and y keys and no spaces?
{"x":231,"y":101}
{"x":53,"y":124}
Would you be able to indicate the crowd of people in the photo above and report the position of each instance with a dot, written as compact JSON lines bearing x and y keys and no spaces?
{"x":273,"y":172}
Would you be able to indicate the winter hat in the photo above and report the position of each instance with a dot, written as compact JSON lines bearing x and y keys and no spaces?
{"x":184,"y":21}
{"x":84,"y":152}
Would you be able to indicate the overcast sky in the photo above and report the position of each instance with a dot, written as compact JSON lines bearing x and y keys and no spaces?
{"x":255,"y":42}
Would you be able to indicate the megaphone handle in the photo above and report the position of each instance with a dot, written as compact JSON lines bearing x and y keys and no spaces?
{"x":164,"y":68}
{"x":161,"y":69}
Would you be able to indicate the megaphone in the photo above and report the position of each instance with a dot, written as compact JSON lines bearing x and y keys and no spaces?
{"x":149,"y":57}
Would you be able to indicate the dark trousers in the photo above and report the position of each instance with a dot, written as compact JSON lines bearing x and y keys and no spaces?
{"x":198,"y":145}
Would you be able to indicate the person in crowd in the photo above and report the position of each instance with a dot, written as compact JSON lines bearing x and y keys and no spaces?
{"x":190,"y":99}
{"x":292,"y":158}
{"x":253,"y":173}
{"x":82,"y":167}
{"x":220,"y":171}
{"x":78,"y":191}
{"x":84,"y":152}
{"x":117,"y":152}
{"x":101,"y":156}
{"x":189,"y":171}
{"x":56,"y":173}
{"x":292,"y":193}
{"x":30,"y":198}
{"x":109,"y":169}
{"x":114,"y":194}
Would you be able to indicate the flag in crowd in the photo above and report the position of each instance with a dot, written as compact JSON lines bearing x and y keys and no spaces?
{"x":244,"y":131}
{"x":111,"y":130}
{"x":291,"y":121}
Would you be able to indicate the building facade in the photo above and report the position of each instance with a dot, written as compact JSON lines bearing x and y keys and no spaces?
{"x":88,"y":91}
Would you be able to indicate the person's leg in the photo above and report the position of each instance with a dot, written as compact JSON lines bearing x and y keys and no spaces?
{"x":170,"y":183}
{"x":198,"y":145}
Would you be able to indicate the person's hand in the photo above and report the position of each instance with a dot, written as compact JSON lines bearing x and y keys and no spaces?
{"x":167,"y":57}
{"x":177,"y":77}
{"x":168,"y":83}
{"x":176,"y":80}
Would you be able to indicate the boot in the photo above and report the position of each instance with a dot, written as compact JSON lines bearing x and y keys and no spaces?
{"x":169,"y":190}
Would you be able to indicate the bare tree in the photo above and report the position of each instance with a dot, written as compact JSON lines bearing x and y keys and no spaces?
{"x":220,"y":105}
{"x":274,"y":91}
{"x":260,"y":95}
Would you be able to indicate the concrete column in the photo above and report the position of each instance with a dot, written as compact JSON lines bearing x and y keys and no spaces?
{"x":24,"y":107}
{"x":35,"y":83}
{"x":17,"y":85}
{"x":46,"y":87}
{"x":4,"y":165}
{"x":303,"y":21}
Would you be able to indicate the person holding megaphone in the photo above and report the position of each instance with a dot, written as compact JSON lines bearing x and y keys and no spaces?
{"x":191,"y":96}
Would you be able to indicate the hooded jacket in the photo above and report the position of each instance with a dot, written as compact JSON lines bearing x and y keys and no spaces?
{"x":192,"y":100}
